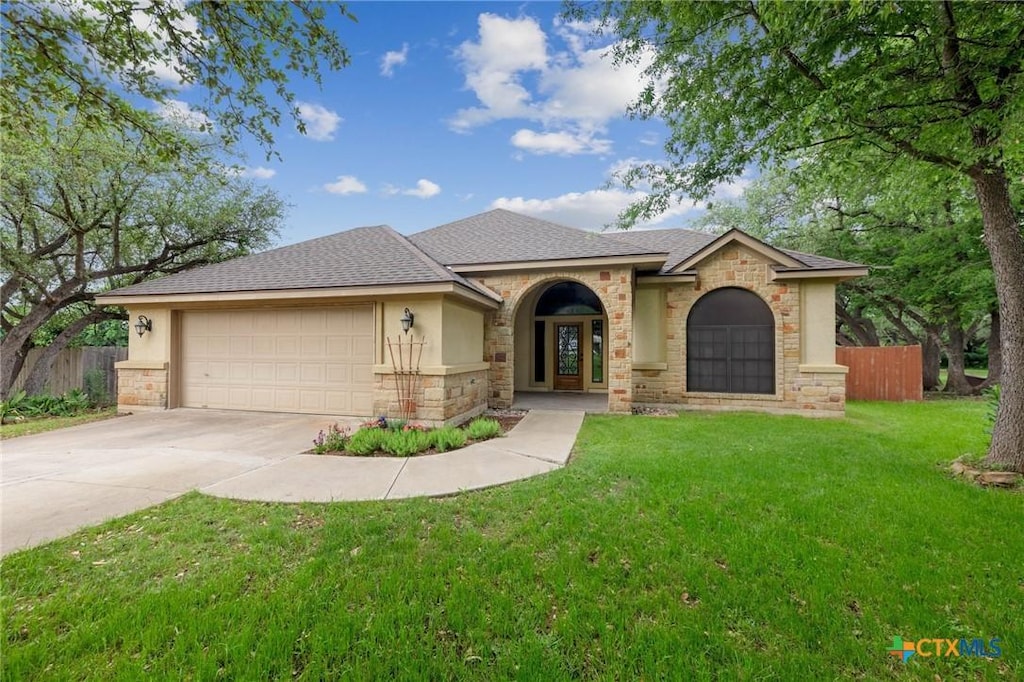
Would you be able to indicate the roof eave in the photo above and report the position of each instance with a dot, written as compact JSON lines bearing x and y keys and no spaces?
{"x":838,"y":274}
{"x":653,"y":260}
{"x":252,"y":297}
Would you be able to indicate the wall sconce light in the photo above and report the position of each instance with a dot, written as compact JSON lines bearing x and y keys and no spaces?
{"x":407,"y":320}
{"x":143,"y":325}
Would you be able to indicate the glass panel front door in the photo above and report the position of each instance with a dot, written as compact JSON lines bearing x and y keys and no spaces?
{"x":568,"y":370}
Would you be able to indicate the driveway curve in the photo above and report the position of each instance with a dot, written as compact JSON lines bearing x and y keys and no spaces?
{"x":57,"y":482}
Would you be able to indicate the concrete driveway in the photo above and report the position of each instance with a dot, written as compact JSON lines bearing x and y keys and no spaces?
{"x":54,"y":483}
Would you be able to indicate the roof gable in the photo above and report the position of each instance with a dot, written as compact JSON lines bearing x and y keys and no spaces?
{"x":736,"y":236}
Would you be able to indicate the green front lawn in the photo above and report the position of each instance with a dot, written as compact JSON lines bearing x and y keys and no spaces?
{"x":699,"y":547}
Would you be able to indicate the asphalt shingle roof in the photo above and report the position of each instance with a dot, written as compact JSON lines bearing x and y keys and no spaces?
{"x":379,"y":256}
{"x":681,"y":244}
{"x":364,"y":256}
{"x":501,"y":236}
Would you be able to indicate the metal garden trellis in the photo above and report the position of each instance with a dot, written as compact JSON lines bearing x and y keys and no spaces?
{"x":407,"y":372}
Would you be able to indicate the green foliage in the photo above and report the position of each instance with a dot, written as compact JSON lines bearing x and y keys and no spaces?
{"x":742,"y":84}
{"x":135,"y":216}
{"x":108,"y":61}
{"x":483,"y":429}
{"x":447,"y":438}
{"x":15,"y":407}
{"x":21,"y":406}
{"x":405,"y":443}
{"x":332,"y":440}
{"x":366,"y":441}
{"x":95,"y":382}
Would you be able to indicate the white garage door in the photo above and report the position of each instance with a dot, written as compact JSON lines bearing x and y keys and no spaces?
{"x":313,"y":360}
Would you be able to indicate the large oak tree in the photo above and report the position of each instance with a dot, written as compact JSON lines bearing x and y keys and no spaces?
{"x":86,"y":210}
{"x":744,"y":83}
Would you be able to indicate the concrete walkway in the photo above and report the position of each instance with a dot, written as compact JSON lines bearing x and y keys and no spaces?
{"x":540,"y":443}
{"x":57,"y":482}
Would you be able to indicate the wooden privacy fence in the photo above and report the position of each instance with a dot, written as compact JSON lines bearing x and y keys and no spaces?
{"x":73,"y":365}
{"x":890,"y":373}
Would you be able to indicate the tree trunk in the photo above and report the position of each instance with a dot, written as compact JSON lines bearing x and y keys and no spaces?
{"x":860,"y":326}
{"x":956,"y":378}
{"x":1006,"y":247}
{"x":931,"y":359}
{"x":995,"y":353}
{"x":39,"y":376}
{"x":13,"y":351}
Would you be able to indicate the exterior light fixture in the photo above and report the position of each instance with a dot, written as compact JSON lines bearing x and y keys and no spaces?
{"x":143,"y":325}
{"x":407,"y":320}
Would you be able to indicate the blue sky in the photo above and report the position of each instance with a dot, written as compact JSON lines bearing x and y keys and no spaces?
{"x":450,"y":109}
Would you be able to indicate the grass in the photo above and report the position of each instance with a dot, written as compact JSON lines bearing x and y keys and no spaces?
{"x":704,"y":547}
{"x":980,"y":372}
{"x":43,"y":424}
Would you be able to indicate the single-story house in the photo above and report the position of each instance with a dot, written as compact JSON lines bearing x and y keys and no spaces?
{"x":503,"y":303}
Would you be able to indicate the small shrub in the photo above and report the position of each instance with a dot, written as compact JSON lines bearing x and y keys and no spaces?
{"x":76,"y":400}
{"x":396,"y":424}
{"x":365,"y":441}
{"x":14,"y":408}
{"x":448,"y":438}
{"x":406,"y":443}
{"x":95,"y":382}
{"x":483,"y":429}
{"x":332,"y":440}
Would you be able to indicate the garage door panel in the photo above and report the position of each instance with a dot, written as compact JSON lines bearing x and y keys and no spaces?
{"x":240,"y":323}
{"x":287,"y":346}
{"x":338,"y":374}
{"x":292,"y":360}
{"x":310,"y":373}
{"x":312,"y":346}
{"x":263,"y":346}
{"x":241,"y":346}
{"x":339,"y":346}
{"x":362,"y":347}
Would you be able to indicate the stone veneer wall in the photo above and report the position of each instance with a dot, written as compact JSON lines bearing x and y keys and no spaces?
{"x":813,"y":393}
{"x":613,"y":285}
{"x":440,"y":399}
{"x":141,"y":388}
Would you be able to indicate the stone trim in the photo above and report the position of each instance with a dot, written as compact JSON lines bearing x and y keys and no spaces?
{"x":139,"y":364}
{"x":141,"y":388}
{"x":439,"y":370}
{"x":440,"y":398}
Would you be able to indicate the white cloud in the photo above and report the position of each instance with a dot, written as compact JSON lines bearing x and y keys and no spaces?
{"x":562,"y":142}
{"x":424,"y":189}
{"x":492,"y":68}
{"x":594,"y":209}
{"x":577,"y":91}
{"x":393,"y":58}
{"x":345,"y":185}
{"x":589,"y":210}
{"x":650,"y":138}
{"x":180,"y":113}
{"x":320,"y":122}
{"x":259,"y":172}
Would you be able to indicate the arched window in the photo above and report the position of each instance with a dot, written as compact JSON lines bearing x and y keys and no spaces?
{"x":568,"y":298}
{"x":730,"y":344}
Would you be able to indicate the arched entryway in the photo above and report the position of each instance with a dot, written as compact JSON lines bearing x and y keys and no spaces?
{"x":730,"y":343}
{"x":561,"y":333}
